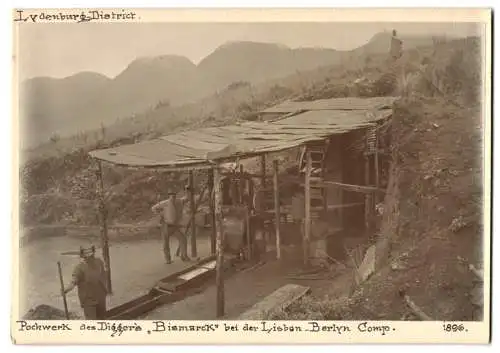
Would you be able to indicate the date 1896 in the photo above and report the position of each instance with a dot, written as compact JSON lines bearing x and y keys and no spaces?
{"x":450,"y":327}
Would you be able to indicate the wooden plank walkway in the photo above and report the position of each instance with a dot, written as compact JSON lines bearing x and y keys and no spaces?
{"x":282,"y":298}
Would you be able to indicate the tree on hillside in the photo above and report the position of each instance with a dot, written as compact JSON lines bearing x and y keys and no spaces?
{"x":278,"y":92}
{"x":238,"y":84}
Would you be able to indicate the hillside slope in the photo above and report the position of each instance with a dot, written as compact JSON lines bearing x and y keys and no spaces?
{"x":431,"y":230}
{"x":434,"y":215}
{"x":86,"y":101}
{"x":47,"y":105}
{"x":257,"y":62}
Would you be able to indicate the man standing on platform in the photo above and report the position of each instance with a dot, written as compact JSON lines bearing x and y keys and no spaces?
{"x":171,"y":212}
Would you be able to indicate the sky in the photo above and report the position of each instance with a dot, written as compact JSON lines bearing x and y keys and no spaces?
{"x":63,"y":49}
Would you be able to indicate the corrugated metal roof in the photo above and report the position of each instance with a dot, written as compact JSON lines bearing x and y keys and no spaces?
{"x":200,"y":148}
{"x":347,"y":103}
{"x":338,"y":118}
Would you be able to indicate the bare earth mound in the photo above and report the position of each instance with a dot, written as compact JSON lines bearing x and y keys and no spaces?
{"x":432,"y":227}
{"x":436,"y":230}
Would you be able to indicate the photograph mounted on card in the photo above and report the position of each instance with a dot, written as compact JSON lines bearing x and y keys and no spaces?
{"x":270,"y":176}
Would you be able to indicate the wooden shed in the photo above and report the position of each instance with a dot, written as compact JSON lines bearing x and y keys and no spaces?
{"x":325,"y":131}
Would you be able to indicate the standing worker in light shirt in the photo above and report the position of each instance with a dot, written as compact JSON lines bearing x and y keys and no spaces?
{"x":171,"y":212}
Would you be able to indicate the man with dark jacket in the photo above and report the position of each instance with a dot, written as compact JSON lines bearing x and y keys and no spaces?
{"x":90,"y":278}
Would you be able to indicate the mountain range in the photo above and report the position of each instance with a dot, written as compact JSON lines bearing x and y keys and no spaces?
{"x":88,"y":100}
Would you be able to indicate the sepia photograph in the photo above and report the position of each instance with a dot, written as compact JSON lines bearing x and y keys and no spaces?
{"x":267,"y":171}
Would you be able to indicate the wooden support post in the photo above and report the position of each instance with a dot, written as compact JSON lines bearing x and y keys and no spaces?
{"x":307,"y":209}
{"x":211,"y":202}
{"x":277,"y":215}
{"x":251,"y":194}
{"x":245,"y":187}
{"x":377,"y":177}
{"x":324,"y":191}
{"x":261,"y":196}
{"x":263,"y":170}
{"x":242,"y":186}
{"x":367,"y":196}
{"x":103,"y":220}
{"x":219,"y":277}
{"x":248,"y":230}
{"x":194,"y":252}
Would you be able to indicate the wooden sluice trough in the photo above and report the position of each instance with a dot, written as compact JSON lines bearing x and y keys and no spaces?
{"x":170,"y":289}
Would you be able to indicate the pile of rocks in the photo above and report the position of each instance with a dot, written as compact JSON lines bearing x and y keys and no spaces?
{"x":47,"y":312}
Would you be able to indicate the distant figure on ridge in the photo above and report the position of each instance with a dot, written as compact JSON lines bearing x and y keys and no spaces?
{"x":396,"y":46}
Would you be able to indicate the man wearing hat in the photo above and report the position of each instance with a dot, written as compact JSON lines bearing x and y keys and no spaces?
{"x":90,"y":278}
{"x":171,"y":212}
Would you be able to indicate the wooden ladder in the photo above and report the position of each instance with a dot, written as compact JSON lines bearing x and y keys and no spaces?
{"x":318,"y":171}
